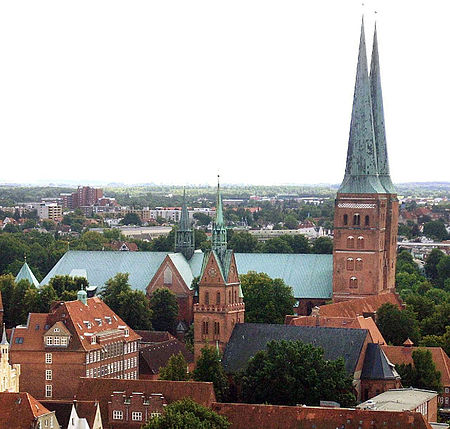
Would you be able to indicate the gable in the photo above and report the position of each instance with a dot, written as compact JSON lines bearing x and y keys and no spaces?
{"x":211,"y":271}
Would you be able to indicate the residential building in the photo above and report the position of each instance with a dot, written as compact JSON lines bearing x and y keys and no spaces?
{"x":81,"y":338}
{"x":46,"y":210}
{"x":366,"y":208}
{"x":9,"y":374}
{"x":419,"y":400}
{"x":118,"y":398}
{"x":22,"y":411}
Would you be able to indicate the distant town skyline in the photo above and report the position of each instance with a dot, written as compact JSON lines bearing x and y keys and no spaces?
{"x":173,"y":93}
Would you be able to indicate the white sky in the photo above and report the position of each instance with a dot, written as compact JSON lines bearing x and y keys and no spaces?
{"x":174,"y":91}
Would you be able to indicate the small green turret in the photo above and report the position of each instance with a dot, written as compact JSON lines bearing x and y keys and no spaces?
{"x":82,"y":296}
{"x":219,"y":231}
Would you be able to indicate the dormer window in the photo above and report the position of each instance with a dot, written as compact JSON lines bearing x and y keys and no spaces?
{"x":87,"y":324}
{"x":108,"y":320}
{"x":99,"y":321}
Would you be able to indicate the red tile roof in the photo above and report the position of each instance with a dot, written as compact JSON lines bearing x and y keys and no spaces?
{"x":359,"y":306}
{"x":97,"y":389}
{"x":250,"y":416}
{"x":359,"y":322}
{"x":82,"y":321}
{"x":19,"y":410}
{"x":402,"y":354}
{"x":154,"y":336}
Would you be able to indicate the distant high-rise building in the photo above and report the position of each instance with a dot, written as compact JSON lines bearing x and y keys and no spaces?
{"x":366,"y":208}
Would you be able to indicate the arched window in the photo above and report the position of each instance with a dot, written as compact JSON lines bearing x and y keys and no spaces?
{"x":218,"y":298}
{"x":356,"y":219}
{"x":167,"y":276}
{"x":353,"y":282}
{"x":346,"y":219}
{"x":367,"y":220}
{"x":229,"y":297}
{"x":360,"y":242}
{"x":235,"y":296}
{"x":350,"y":264}
{"x":351,"y":242}
{"x":359,"y":264}
{"x":216,"y":328}
{"x":205,"y":328}
{"x":207,"y":298}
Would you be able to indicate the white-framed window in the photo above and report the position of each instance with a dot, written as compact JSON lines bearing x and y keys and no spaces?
{"x":56,"y":330}
{"x":57,"y":341}
{"x":136,"y":416}
{"x":117,"y":415}
{"x":46,"y":423}
{"x":48,"y":358}
{"x":64,"y":341}
{"x":49,"y":341}
{"x":152,"y":415}
{"x":48,"y":390}
{"x":48,"y":374}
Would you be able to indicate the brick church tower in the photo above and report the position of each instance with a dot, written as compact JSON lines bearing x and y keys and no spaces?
{"x":366,"y":207}
{"x":220,"y":301}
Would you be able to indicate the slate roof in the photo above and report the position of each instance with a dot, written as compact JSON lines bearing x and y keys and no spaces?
{"x":25,"y":273}
{"x":249,"y":338}
{"x":155,"y":356}
{"x":376,"y":365}
{"x":309,"y":275}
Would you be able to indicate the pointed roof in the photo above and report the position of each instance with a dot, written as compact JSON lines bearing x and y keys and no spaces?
{"x":378,"y":119}
{"x":4,"y":341}
{"x":219,"y":210}
{"x":184,"y":219}
{"x":25,"y":273}
{"x":377,"y":366}
{"x":361,"y":174}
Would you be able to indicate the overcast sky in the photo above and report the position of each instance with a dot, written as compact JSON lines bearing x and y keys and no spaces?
{"x":174,"y":91}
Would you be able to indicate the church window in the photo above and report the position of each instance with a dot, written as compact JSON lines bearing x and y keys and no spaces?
{"x":356,"y":219}
{"x":350,"y":264}
{"x":359,"y":264}
{"x":351,"y":242}
{"x":216,"y":328}
{"x":167,"y":276}
{"x":353,"y":282}
{"x":218,"y":298}
{"x":346,"y":219}
{"x":229,"y":296}
{"x":205,"y":328}
{"x":367,"y":220}
{"x":235,"y":296}
{"x":207,"y":298}
{"x":360,"y":242}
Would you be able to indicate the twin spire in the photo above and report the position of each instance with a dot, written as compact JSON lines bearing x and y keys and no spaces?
{"x":367,"y":167}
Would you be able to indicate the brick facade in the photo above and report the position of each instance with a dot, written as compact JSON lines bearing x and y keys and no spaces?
{"x":220,"y":305}
{"x":98,"y":344}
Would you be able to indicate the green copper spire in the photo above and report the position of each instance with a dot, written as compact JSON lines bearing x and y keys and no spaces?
{"x":361,"y":173}
{"x":219,"y":232}
{"x":378,"y":119}
{"x":184,"y":236}
{"x":25,"y":273}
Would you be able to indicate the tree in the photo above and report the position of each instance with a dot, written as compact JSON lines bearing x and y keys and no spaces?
{"x":435,"y":230}
{"x":267,"y":300}
{"x":437,"y":323}
{"x":291,"y":222}
{"x":421,"y":306}
{"x":443,"y":271}
{"x":131,"y":219}
{"x":202,"y":218}
{"x":423,"y":373}
{"x":243,"y":242}
{"x":277,"y":245}
{"x":209,"y":368}
{"x":396,"y":326}
{"x":323,"y":245}
{"x":291,"y":373}
{"x":187,"y":414}
{"x":176,"y":369}
{"x":62,"y":284}
{"x":431,"y":264}
{"x":131,"y":305}
{"x":200,"y":238}
{"x":164,"y":305}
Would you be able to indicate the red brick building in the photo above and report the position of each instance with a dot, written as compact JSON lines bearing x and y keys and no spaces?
{"x":119,"y":399}
{"x":221,"y":302}
{"x":82,"y":338}
{"x":366,"y":208}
